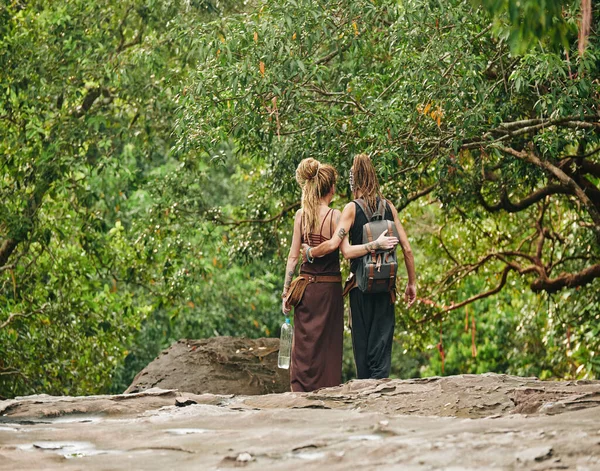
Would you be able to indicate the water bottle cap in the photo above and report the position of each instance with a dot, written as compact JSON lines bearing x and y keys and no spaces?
{"x":287,"y":320}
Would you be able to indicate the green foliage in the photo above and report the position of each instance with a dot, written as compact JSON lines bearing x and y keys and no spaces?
{"x":446,"y":111}
{"x":147,"y":180}
{"x":85,"y":115}
{"x":530,"y":23}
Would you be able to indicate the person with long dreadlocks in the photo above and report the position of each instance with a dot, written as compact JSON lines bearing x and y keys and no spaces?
{"x":316,"y":359}
{"x":372,"y":316}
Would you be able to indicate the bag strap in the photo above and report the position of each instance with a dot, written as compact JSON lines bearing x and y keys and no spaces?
{"x":371,"y":276}
{"x":380,"y":209}
{"x":379,"y":213}
{"x":370,"y":239}
{"x":368,"y":213}
{"x":392,"y":285}
{"x":349,"y":285}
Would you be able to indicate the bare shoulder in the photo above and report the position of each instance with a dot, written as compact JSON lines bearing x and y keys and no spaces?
{"x":350,"y":208}
{"x":392,"y":208}
{"x":336,"y":215}
{"x":298,"y":216}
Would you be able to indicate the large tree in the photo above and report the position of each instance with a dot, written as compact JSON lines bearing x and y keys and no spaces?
{"x":113,"y":224}
{"x":87,"y":92}
{"x":104,"y":256}
{"x":507,"y":144}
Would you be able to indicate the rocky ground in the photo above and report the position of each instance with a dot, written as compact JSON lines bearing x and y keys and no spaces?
{"x":232,"y":365}
{"x":460,"y":422}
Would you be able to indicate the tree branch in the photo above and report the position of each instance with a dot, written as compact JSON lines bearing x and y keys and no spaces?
{"x":415,"y":196}
{"x":569,"y":259}
{"x":591,"y":168}
{"x":389,"y":87}
{"x":136,"y":40}
{"x":482,"y":32}
{"x":450,"y":256}
{"x":541,"y":236}
{"x":12,"y":372}
{"x":566,"y":280}
{"x":518,"y":128}
{"x":584,"y":156}
{"x":486,"y":294}
{"x":527,"y":123}
{"x":582,"y":124}
{"x":90,"y":98}
{"x":562,"y":177}
{"x":120,"y":28}
{"x":542,"y":283}
{"x":19,"y":314}
{"x":331,"y":55}
{"x":470,"y":300}
{"x":34,"y":202}
{"x":526,"y":202}
{"x":259,"y":221}
{"x":352,"y":102}
{"x":6,"y":249}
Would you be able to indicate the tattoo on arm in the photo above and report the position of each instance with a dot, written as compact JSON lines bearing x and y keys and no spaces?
{"x":372,"y":246}
{"x":342,"y":233}
{"x":288,"y":279}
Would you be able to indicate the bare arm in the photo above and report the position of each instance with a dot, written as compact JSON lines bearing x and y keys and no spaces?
{"x":342,"y":228}
{"x":383,"y":242}
{"x":410,"y":295}
{"x":292,"y":261}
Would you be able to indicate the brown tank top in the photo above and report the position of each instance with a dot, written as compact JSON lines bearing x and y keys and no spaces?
{"x":328,"y":264}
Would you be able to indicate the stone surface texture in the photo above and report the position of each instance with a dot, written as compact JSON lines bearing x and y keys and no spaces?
{"x":467,"y":422}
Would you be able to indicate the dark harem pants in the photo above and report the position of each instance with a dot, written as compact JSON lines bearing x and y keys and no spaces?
{"x":373,"y":322}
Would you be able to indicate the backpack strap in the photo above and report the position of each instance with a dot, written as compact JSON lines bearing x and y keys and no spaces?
{"x":365,"y":208}
{"x":378,"y":214}
{"x":392,"y":285}
{"x":381,"y":204}
{"x":370,"y":239}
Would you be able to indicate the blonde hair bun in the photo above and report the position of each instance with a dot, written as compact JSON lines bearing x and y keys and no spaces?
{"x":316,"y":181}
{"x":307,"y":170}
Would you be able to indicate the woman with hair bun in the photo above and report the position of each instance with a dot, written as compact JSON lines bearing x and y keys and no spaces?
{"x":372,"y":314}
{"x":316,"y":360}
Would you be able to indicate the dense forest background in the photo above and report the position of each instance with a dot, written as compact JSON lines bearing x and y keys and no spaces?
{"x":147,"y":191}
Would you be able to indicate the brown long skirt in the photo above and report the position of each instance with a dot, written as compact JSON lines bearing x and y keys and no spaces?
{"x":318,"y":338}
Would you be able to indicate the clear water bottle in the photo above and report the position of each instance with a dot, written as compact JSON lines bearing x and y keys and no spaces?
{"x":285,"y":345}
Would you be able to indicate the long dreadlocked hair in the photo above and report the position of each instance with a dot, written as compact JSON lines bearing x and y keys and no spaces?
{"x":316,"y":180}
{"x":365,"y":180}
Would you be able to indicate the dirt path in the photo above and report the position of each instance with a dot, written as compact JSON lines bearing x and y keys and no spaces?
{"x":461,"y":422}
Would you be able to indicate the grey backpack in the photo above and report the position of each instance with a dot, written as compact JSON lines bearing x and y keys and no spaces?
{"x":378,"y":269}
